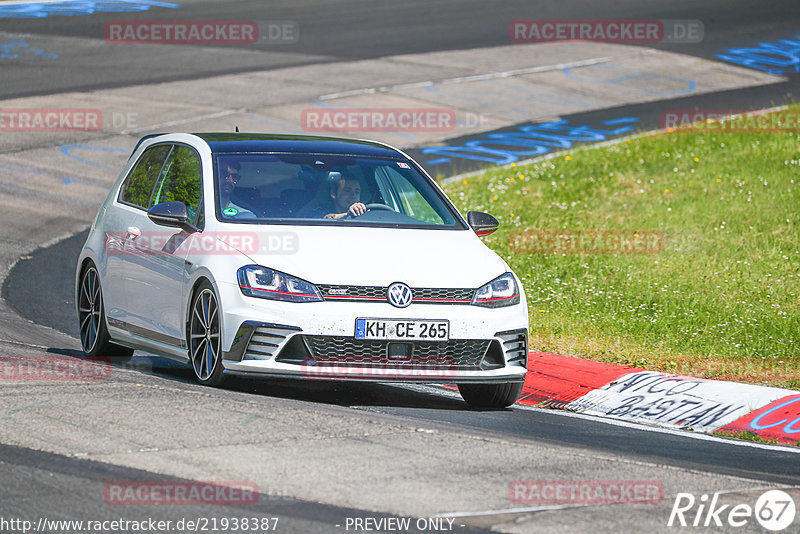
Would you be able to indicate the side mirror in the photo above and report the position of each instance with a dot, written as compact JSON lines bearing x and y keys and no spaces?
{"x":171,"y":214}
{"x":482,"y":223}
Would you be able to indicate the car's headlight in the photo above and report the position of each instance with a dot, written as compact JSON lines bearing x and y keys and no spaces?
{"x":257,"y":281}
{"x":500,"y":292}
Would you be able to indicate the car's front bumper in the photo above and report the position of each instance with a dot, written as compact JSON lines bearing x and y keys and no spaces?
{"x":316,"y":341}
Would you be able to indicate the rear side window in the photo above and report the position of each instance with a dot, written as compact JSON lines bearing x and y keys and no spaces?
{"x":180,"y":180}
{"x":139,"y":183}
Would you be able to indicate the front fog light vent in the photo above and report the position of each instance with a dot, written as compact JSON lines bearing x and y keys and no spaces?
{"x":515,"y":346}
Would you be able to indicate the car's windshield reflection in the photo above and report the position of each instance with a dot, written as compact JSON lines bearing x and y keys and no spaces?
{"x":319,"y":189}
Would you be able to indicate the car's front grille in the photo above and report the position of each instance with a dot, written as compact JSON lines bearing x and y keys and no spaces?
{"x":427,"y":293}
{"x":422,"y":295}
{"x":455,"y":354}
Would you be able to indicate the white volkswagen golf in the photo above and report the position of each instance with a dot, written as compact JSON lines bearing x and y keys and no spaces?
{"x":299,"y":256}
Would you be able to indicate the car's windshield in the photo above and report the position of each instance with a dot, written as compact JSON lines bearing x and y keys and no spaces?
{"x":327,"y":189}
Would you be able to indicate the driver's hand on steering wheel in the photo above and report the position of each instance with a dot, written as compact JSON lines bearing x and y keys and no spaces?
{"x":356,"y":209}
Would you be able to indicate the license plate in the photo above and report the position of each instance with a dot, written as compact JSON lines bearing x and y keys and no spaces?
{"x":403,"y":329}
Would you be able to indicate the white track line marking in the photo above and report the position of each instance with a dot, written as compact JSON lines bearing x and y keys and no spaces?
{"x":183,"y":121}
{"x":546,"y":508}
{"x":441,"y":390}
{"x":662,"y":430}
{"x":474,"y":78}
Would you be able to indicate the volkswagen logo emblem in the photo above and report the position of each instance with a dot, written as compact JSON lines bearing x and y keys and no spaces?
{"x":399,"y":295}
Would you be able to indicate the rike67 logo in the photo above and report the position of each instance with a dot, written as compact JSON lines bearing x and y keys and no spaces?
{"x":774,"y":510}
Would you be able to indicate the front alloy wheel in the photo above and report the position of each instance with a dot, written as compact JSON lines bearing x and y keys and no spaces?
{"x":204,"y":336}
{"x":95,"y":340}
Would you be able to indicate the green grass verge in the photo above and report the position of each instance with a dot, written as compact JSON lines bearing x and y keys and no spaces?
{"x":752,"y":436}
{"x":718,"y":297}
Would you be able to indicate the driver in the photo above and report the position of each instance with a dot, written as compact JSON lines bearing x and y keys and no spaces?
{"x":344,"y":199}
{"x":227,"y":183}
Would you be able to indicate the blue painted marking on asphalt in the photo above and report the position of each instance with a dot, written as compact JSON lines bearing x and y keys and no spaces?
{"x":67,"y":150}
{"x":13,"y":49}
{"x":69,"y":8}
{"x":22,"y":169}
{"x":548,"y":97}
{"x":621,"y":120}
{"x":529,"y":140}
{"x":483,"y":99}
{"x":691,"y":84}
{"x":778,"y":58}
{"x":65,"y":180}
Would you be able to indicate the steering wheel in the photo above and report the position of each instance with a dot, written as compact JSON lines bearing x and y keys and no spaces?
{"x":379,"y":207}
{"x":370,"y":207}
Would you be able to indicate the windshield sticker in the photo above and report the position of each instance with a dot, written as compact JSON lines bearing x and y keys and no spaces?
{"x":403,"y":165}
{"x":230,"y":212}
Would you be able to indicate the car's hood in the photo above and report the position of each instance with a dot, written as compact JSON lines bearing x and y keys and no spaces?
{"x":377,"y":256}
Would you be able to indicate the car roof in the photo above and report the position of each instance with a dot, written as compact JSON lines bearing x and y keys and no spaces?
{"x":221,"y":143}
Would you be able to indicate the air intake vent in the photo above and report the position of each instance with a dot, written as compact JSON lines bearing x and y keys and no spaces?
{"x":515,"y":346}
{"x":266,"y":340}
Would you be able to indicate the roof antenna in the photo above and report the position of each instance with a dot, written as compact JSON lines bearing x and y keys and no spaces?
{"x":237,"y":129}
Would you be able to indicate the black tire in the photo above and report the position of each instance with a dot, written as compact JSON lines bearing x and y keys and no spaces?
{"x":203,"y":336}
{"x":95,"y":341}
{"x":490,"y":395}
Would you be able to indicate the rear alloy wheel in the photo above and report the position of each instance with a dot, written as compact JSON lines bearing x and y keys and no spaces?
{"x":490,"y":395}
{"x":95,"y":340}
{"x":204,"y":336}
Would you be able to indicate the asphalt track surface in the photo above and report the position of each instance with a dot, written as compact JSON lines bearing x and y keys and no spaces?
{"x":362,"y":29}
{"x":35,"y":481}
{"x":40,"y":287}
{"x":49,"y":272}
